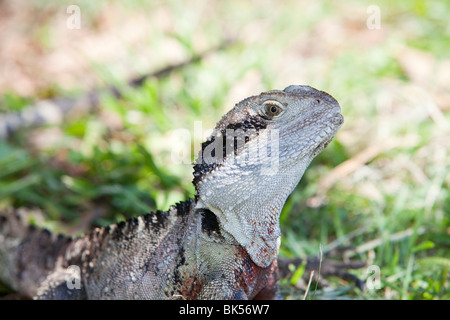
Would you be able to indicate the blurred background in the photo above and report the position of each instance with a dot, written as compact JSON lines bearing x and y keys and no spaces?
{"x":94,"y":154}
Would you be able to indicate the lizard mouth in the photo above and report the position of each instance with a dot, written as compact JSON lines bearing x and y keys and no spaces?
{"x":341,"y":118}
{"x":337,"y":120}
{"x":327,"y":143}
{"x":322,"y":146}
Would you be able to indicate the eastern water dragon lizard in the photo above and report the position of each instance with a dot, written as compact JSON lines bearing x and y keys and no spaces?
{"x":223,"y":244}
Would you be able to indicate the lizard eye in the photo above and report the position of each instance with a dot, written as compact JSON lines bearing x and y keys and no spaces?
{"x":271,"y":109}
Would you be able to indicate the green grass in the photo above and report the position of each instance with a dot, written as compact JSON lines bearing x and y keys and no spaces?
{"x":392,"y":207}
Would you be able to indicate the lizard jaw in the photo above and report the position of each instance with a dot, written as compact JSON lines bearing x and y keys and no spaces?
{"x":336,"y":120}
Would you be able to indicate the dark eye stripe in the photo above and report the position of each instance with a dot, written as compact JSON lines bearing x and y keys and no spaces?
{"x":201,"y":168}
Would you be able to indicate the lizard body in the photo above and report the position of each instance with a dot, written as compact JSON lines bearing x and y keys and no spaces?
{"x":221,"y":245}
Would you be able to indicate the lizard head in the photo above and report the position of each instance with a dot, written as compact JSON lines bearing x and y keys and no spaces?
{"x":256,"y":156}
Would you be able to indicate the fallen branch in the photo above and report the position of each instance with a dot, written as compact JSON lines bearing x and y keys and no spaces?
{"x":56,"y":110}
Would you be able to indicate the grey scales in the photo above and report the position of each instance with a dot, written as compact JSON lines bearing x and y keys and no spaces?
{"x":223,"y":244}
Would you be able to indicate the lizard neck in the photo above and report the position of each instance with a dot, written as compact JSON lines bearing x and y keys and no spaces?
{"x":249,"y":209}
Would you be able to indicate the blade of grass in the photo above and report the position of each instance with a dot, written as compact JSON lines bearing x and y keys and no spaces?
{"x":7,"y":189}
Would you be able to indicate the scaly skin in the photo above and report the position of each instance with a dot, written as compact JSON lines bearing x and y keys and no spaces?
{"x":221,"y":245}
